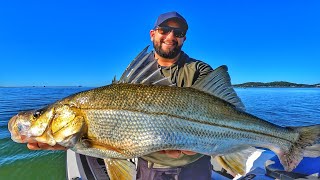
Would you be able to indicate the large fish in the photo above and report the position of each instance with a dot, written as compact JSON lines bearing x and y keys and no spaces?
{"x":123,"y":121}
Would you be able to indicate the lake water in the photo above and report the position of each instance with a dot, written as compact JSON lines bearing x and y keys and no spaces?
{"x":282,"y":106}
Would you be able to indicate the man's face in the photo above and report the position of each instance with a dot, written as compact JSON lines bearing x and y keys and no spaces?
{"x":167,"y":45}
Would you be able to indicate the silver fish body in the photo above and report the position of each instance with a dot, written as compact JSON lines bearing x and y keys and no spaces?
{"x":130,"y":120}
{"x":127,"y":119}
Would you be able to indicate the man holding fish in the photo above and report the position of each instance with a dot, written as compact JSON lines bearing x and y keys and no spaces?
{"x":168,"y":36}
{"x":171,"y":111}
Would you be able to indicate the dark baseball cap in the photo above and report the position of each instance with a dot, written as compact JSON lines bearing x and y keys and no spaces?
{"x":174,"y":16}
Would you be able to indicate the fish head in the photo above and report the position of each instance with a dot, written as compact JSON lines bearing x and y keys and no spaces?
{"x":54,"y":124}
{"x":29,"y":124}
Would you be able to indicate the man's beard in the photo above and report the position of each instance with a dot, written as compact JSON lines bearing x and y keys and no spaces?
{"x":168,"y":55}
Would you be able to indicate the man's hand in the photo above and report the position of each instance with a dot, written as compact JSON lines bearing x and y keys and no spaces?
{"x":44,"y":146}
{"x":176,"y":153}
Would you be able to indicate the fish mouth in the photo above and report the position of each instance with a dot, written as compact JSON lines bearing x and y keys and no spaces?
{"x":14,"y":134}
{"x":11,"y":122}
{"x":17,"y":128}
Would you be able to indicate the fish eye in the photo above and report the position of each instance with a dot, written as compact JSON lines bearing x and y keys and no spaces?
{"x":38,"y":113}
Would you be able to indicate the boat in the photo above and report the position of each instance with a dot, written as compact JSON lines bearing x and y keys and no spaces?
{"x":261,"y":165}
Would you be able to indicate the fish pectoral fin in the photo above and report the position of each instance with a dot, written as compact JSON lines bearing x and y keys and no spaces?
{"x":235,"y":163}
{"x":120,"y":169}
{"x":91,"y":143}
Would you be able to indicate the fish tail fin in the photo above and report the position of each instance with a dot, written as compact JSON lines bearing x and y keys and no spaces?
{"x":308,"y":136}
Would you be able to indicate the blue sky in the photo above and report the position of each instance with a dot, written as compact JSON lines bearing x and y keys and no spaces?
{"x":86,"y":43}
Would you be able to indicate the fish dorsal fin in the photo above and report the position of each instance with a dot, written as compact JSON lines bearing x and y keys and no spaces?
{"x":144,"y":70}
{"x":120,"y":169}
{"x":218,"y":83}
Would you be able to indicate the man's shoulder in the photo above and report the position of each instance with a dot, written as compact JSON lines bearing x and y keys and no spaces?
{"x":197,"y":64}
{"x":192,"y":60}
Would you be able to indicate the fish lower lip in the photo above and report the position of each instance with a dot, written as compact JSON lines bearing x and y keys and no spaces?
{"x":17,"y":139}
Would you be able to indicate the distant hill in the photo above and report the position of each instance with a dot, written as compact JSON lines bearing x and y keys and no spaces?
{"x":275,"y":84}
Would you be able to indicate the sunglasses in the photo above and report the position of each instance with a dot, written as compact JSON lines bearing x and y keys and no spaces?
{"x":178,"y":32}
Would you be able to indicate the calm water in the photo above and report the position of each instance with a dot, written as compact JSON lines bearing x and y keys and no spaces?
{"x":282,"y":106}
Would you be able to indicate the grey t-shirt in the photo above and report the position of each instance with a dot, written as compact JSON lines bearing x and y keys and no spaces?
{"x":184,"y":73}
